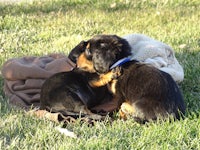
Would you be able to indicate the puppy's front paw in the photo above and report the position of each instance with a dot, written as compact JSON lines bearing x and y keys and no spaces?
{"x":116,"y":72}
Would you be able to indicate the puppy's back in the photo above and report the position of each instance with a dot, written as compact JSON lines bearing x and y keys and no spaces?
{"x":151,"y":92}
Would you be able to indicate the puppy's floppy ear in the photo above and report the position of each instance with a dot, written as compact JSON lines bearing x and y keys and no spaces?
{"x":77,"y":50}
{"x":88,"y":53}
{"x":88,"y":45}
{"x":124,"y":47}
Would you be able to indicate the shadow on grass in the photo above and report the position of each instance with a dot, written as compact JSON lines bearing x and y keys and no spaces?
{"x":37,"y":7}
{"x":48,"y":6}
{"x":191,"y":84}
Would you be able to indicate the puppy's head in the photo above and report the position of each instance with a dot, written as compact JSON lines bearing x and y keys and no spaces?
{"x":77,"y":50}
{"x":101,"y":52}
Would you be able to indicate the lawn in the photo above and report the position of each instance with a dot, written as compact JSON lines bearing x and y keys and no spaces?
{"x":40,"y":27}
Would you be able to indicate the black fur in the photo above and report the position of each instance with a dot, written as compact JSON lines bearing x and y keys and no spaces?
{"x":150,"y":92}
{"x":104,"y":50}
{"x":66,"y":91}
{"x":106,"y":44}
{"x":63,"y":91}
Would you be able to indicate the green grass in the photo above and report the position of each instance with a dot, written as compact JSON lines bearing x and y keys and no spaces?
{"x":42,"y":27}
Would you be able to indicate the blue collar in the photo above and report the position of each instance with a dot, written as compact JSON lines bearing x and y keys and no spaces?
{"x":121,"y":62}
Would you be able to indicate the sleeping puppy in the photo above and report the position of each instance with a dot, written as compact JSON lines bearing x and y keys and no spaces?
{"x":70,"y":92}
{"x":142,"y":91}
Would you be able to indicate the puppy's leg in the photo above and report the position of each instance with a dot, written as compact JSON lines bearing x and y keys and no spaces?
{"x":108,"y":106}
{"x":126,"y":110}
{"x":106,"y":78}
{"x":112,"y":86}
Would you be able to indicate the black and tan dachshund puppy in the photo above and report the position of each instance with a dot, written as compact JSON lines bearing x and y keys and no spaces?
{"x":142,"y":91}
{"x":67,"y":92}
